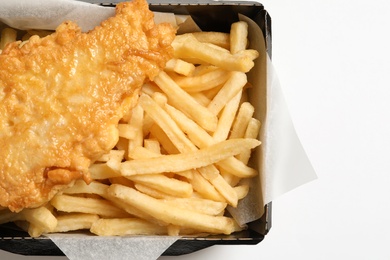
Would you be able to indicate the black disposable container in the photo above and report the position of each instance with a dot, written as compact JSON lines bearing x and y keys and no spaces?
{"x":210,"y":16}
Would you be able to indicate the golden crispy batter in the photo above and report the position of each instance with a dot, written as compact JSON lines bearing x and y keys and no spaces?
{"x":62,"y":96}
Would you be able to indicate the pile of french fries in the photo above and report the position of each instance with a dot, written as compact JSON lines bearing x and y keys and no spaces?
{"x":182,"y":150}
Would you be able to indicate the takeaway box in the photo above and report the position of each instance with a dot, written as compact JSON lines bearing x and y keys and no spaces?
{"x":209,"y":16}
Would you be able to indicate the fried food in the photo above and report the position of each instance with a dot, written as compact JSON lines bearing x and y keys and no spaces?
{"x":61,"y":98}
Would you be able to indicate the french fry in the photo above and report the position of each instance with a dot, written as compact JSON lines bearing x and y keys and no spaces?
{"x":234,"y":166}
{"x":80,"y":187}
{"x":253,"y":128}
{"x":188,"y":175}
{"x":142,"y":153}
{"x":238,"y":36}
{"x":160,"y":98}
{"x":172,"y":215}
{"x":126,"y":226}
{"x":101,"y":171}
{"x":252,"y":131}
{"x":217,"y":48}
{"x":232,"y":86}
{"x":173,"y":230}
{"x":41,"y":218}
{"x":226,"y":118}
{"x":242,"y":190}
{"x":187,"y":46}
{"x":104,"y":158}
{"x":136,"y":122}
{"x":166,"y":143}
{"x":75,"y":221}
{"x":120,"y":180}
{"x":167,"y":185}
{"x":34,"y":230}
{"x":133,"y":211}
{"x":180,"y":66}
{"x":202,"y":82}
{"x":211,"y":174}
{"x":116,"y":157}
{"x":251,"y":54}
{"x":199,"y":136}
{"x":211,"y":93}
{"x":244,"y":115}
{"x":150,"y":88}
{"x":127,"y":131}
{"x":8,"y":35}
{"x":147,"y":125}
{"x":187,"y":161}
{"x":67,"y":203}
{"x":200,"y":205}
{"x":203,"y":69}
{"x":152,"y":145}
{"x":204,"y":187}
{"x":179,"y":98}
{"x":201,"y":98}
{"x":218,"y":38}
{"x":230,"y":178}
{"x":152,"y":192}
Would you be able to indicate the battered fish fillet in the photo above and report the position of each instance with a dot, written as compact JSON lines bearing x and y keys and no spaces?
{"x":61,"y":98}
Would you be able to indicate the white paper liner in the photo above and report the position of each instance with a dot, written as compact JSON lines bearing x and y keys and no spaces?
{"x":45,"y":14}
{"x":281,"y":156}
{"x":82,"y":247}
{"x":284,"y":154}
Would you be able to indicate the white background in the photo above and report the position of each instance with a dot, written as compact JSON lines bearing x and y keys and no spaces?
{"x":332,"y":58}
